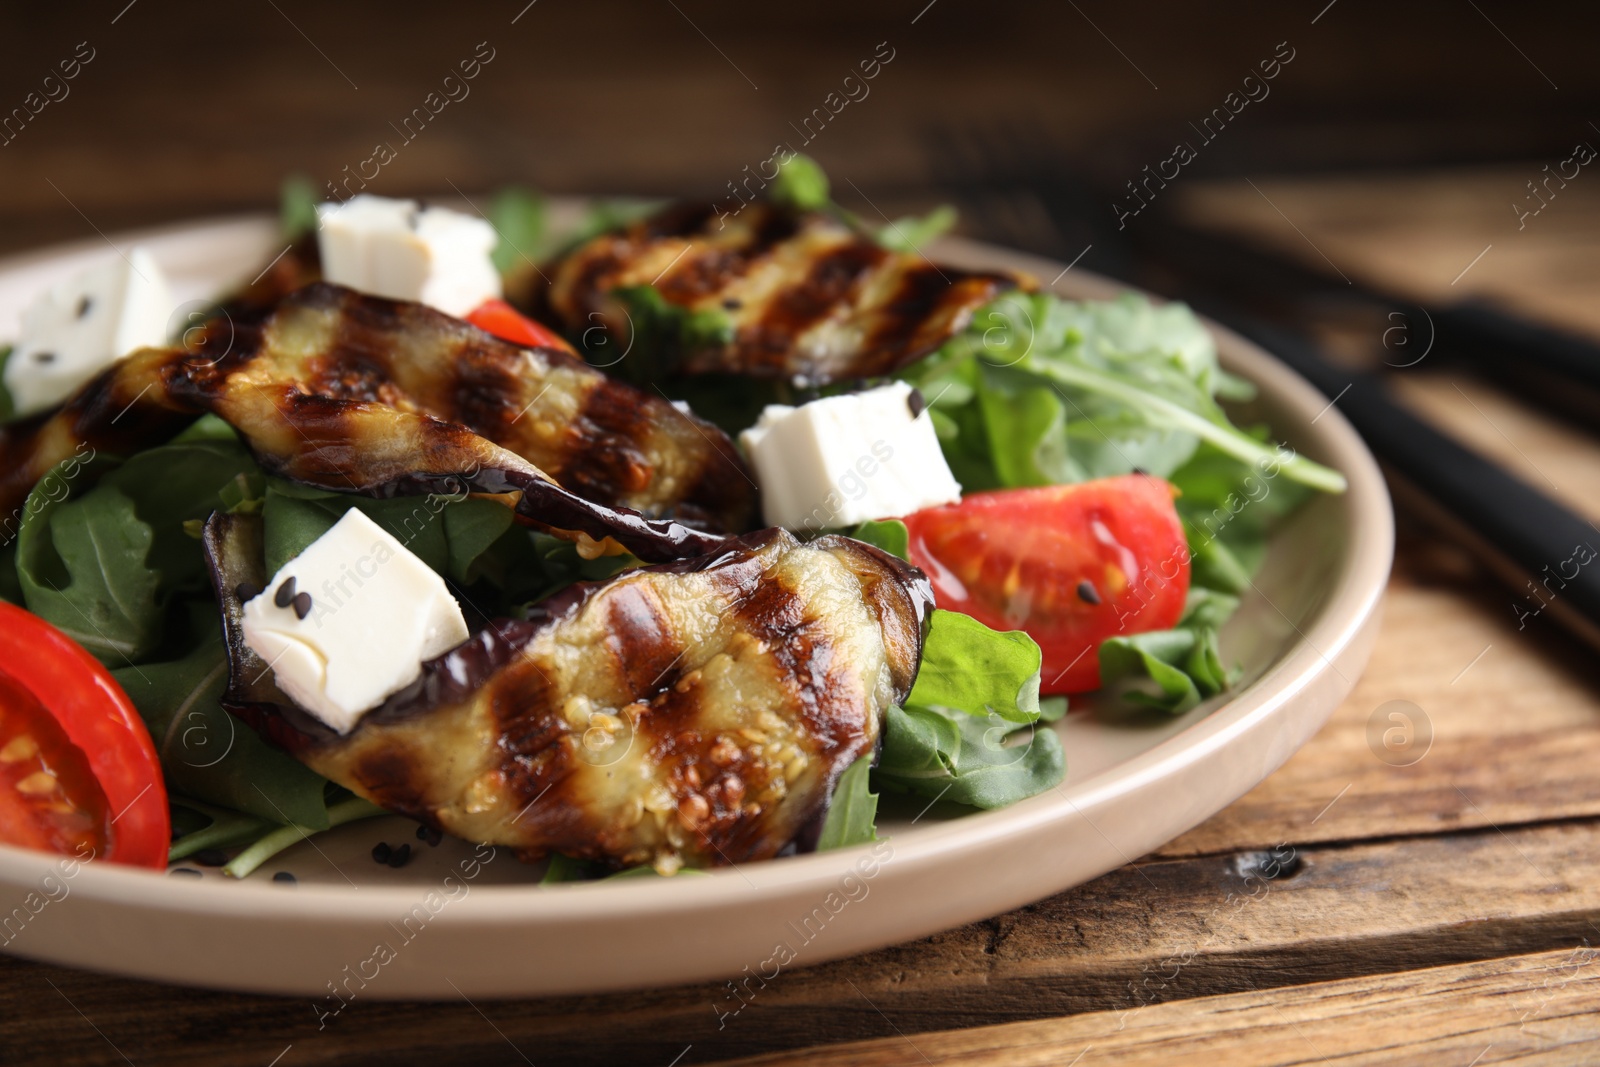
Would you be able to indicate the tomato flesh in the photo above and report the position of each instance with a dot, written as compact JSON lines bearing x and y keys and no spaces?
{"x":509,"y":324}
{"x":1071,"y":565}
{"x":49,"y":798}
{"x":78,"y":771}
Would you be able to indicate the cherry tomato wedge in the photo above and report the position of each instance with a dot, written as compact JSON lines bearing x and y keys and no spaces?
{"x":78,"y":771}
{"x":1069,"y":564}
{"x":509,"y":324}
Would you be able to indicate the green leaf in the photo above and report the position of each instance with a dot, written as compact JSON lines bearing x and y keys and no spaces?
{"x":205,"y":751}
{"x":297,"y":210}
{"x":801,"y":184}
{"x":969,"y":667}
{"x":207,"y":427}
{"x":852,"y":811}
{"x":471,"y":528}
{"x":518,"y":216}
{"x":83,"y":566}
{"x":888,"y":534}
{"x":1137,"y":383}
{"x":911,"y":233}
{"x":566,"y":869}
{"x":1026,"y":435}
{"x":919,"y":743}
{"x":171,"y":485}
{"x":982,"y":762}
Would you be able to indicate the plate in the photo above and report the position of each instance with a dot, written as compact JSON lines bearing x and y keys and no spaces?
{"x":459,"y":921}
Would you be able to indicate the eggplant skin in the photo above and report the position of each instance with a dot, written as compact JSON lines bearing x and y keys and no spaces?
{"x":695,"y":713}
{"x":810,"y":300}
{"x":358,"y":394}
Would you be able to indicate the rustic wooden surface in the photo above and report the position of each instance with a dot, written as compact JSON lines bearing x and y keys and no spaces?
{"x":1436,"y":912}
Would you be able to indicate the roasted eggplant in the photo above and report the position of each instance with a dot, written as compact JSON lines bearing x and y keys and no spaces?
{"x":697,"y":712}
{"x":804,"y":297}
{"x":358,"y":394}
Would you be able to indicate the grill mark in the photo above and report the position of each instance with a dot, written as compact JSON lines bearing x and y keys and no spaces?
{"x":702,"y":273}
{"x":832,"y":278}
{"x":601,"y":457}
{"x":392,"y":776}
{"x":898,"y":595}
{"x":356,"y":363}
{"x":924,"y":310}
{"x":820,"y":685}
{"x":484,"y":389}
{"x":641,"y":640}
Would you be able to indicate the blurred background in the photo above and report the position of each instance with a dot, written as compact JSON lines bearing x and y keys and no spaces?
{"x":1429,"y":116}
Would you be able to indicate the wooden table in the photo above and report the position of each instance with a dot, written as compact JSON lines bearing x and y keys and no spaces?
{"x":1441,"y":911}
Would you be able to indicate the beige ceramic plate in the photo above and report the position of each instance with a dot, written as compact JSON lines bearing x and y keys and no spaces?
{"x":451,"y":924}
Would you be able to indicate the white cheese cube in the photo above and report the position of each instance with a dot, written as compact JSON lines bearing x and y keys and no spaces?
{"x":400,"y":250}
{"x":375,"y":613}
{"x":78,"y":328}
{"x":846,"y":459}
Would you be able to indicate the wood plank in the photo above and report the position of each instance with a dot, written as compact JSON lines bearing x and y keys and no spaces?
{"x":1514,"y":717}
{"x":1542,"y":1008}
{"x":1149,"y":933}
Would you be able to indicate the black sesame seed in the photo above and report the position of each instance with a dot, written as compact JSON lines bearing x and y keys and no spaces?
{"x":430,"y":835}
{"x":733,"y":305}
{"x":189,"y":871}
{"x":1088,"y":593}
{"x":245,"y":591}
{"x":285,"y":877}
{"x":285,"y":594}
{"x":44,"y":357}
{"x":381,"y":852}
{"x":1140,"y":470}
{"x":210,"y":857}
{"x":302,"y":605}
{"x":84,"y":304}
{"x":917,"y":403}
{"x":400,"y":856}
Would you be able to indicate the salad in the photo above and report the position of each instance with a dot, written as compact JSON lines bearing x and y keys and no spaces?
{"x":676,"y":541}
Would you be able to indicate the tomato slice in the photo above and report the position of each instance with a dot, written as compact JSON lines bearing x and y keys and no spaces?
{"x":78,"y":771}
{"x":509,"y":324}
{"x":1069,"y":564}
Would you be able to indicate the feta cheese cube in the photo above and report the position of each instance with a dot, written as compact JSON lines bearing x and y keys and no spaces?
{"x":846,"y":459}
{"x":78,"y":328}
{"x":350,"y":620}
{"x":403,"y":251}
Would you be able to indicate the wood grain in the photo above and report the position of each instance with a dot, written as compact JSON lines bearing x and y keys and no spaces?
{"x":1154,"y":932}
{"x":1542,"y":1008}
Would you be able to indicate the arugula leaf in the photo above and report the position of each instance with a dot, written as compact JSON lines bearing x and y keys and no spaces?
{"x":297,"y":207}
{"x":1173,"y":670}
{"x":518,"y":216}
{"x":208,"y":754}
{"x":1137,"y":383}
{"x":959,"y":734}
{"x":966,"y":759}
{"x":801,"y":184}
{"x":207,"y":427}
{"x":103,"y":565}
{"x":173,"y":484}
{"x":890,"y":535}
{"x":910,"y":233}
{"x":852,"y":811}
{"x":83,"y":567}
{"x":969,"y":667}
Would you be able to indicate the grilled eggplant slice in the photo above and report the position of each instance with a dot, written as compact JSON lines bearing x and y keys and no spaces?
{"x":808,"y":299}
{"x":358,"y":394}
{"x":698,"y":712}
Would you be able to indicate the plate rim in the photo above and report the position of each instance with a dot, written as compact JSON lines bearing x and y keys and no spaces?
{"x":1336,"y":625}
